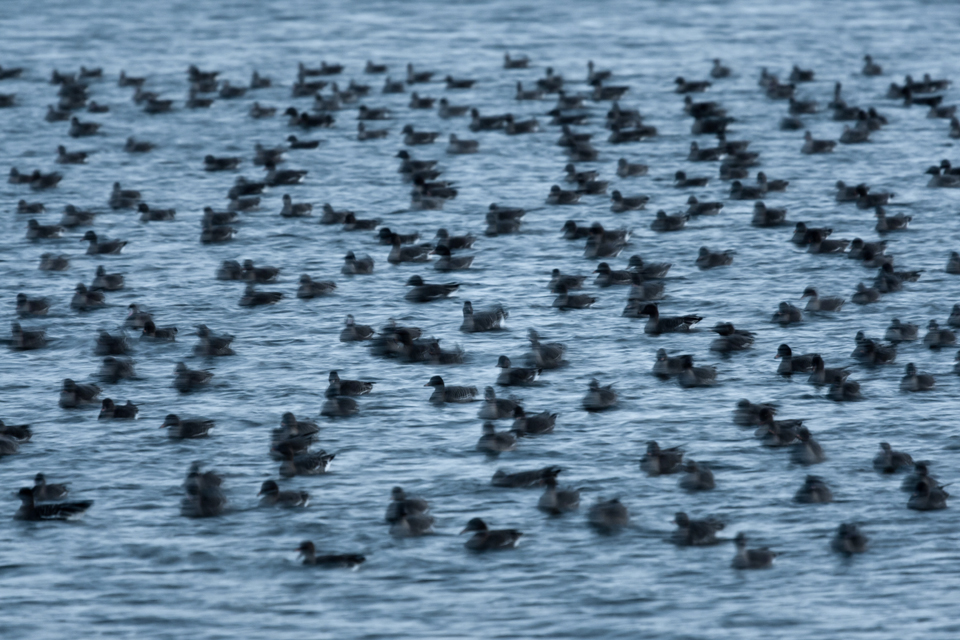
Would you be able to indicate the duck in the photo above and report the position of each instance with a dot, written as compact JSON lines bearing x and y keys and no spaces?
{"x":657,"y":324}
{"x":854,"y":136}
{"x":914,"y":381}
{"x":848,"y":540}
{"x":274,"y":497}
{"x":558,"y":501}
{"x":546,"y":355}
{"x":84,"y":300}
{"x":211,"y":344}
{"x":666,"y":366}
{"x":338,"y":387}
{"x":486,"y":539}
{"x":407,"y":253}
{"x":571,"y":282}
{"x":136,"y":317}
{"x":657,"y":461}
{"x":353,"y":332}
{"x":495,"y":408}
{"x":36,"y":231}
{"x":816,"y":303}
{"x":105,"y":247}
{"x":806,"y":451}
{"x":608,"y":277}
{"x":26,"y":340}
{"x":684,"y":86}
{"x":31,"y":306}
{"x":707,"y":259}
{"x":558,"y":196}
{"x":890,"y":461}
{"x":695,"y":533}
{"x":111,"y":411}
{"x":423,"y":292}
{"x":524,"y":479}
{"x":664,"y":222}
{"x":306,"y":464}
{"x":74,"y":395}
{"x":822,"y":375}
{"x":514,"y":127}
{"x":253,"y":298}
{"x":31,"y":511}
{"x":748,"y":414}
{"x":600,"y":245}
{"x":104,"y":281}
{"x":46,"y":492}
{"x":330,"y":561}
{"x":691,"y":376}
{"x":682,"y":181}
{"x":80,"y":129}
{"x":865,"y":295}
{"x":937,"y":337}
{"x":731,"y":339}
{"x":52,"y":262}
{"x":113,"y":370}
{"x":751,"y":558}
{"x":532,"y":425}
{"x":698,"y":477}
{"x":155,"y":215}
{"x":764,"y":216}
{"x":111,"y":345}
{"x":310,"y":288}
{"x":898,"y":222}
{"x":599,"y":398}
{"x":493,"y":442}
{"x":608,"y":516}
{"x":339,"y":407}
{"x":900,"y":332}
{"x":275,"y":178}
{"x":449,"y":263}
{"x":186,"y":380}
{"x":621,"y":204}
{"x":30,"y":207}
{"x":357,"y":266}
{"x":190,"y":428}
{"x":491,"y":320}
{"x":947,"y":181}
{"x":813,"y":491}
{"x":928,"y":497}
{"x":515,"y":376}
{"x":453,"y":394}
{"x":811,"y":146}
{"x":409,"y":523}
{"x":697,"y":208}
{"x":921,"y":473}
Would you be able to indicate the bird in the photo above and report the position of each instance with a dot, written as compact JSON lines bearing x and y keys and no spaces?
{"x":608,"y":516}
{"x":657,"y":325}
{"x":731,"y":339}
{"x":536,"y":424}
{"x":74,"y":395}
{"x":338,"y":387}
{"x":253,"y":298}
{"x":691,"y":376}
{"x":454,"y":394}
{"x":599,"y":398}
{"x":659,"y":461}
{"x":187,"y":429}
{"x":31,"y":511}
{"x":106,"y":247}
{"x":816,"y":303}
{"x":111,"y":411}
{"x":329,"y":561}
{"x":310,"y":288}
{"x":751,"y":558}
{"x":186,"y":380}
{"x":494,"y":442}
{"x":495,"y":408}
{"x":46,"y":492}
{"x":353,"y":332}
{"x":890,"y":461}
{"x":558,"y":501}
{"x":695,"y":533}
{"x":28,"y":340}
{"x":274,"y":497}
{"x":352,"y":265}
{"x":707,"y":259}
{"x":490,"y":320}
{"x":486,"y":539}
{"x":811,"y":146}
{"x":566,"y":300}
{"x":524,"y":479}
{"x":698,"y":477}
{"x":305,"y":464}
{"x":914,"y":381}
{"x":84,"y":300}
{"x":515,"y":376}
{"x":848,"y":539}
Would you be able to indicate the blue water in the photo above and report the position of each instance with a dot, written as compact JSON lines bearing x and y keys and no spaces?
{"x":134,"y":567}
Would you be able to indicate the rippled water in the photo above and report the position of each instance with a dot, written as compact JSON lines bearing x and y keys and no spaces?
{"x":134,"y":567}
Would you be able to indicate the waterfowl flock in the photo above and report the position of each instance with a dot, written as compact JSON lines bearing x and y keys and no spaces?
{"x":275,"y":270}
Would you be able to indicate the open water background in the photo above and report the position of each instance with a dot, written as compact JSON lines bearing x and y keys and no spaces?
{"x":133,"y":567}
